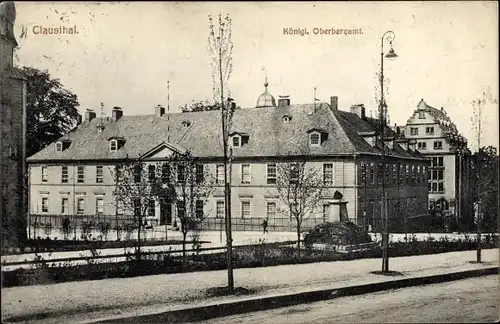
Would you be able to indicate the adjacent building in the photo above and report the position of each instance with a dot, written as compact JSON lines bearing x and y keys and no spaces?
{"x":439,"y":140}
{"x":12,"y":134}
{"x":73,"y":176}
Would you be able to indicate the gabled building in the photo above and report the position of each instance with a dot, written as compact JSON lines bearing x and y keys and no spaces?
{"x":12,"y":134}
{"x":439,"y":140}
{"x":73,"y":177}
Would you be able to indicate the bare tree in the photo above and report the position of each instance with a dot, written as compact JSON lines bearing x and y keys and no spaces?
{"x":193,"y":185}
{"x":135,"y":193}
{"x":220,"y":48}
{"x":477,"y":121}
{"x":300,"y":188}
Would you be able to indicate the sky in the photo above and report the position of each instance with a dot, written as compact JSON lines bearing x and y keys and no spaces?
{"x":124,"y":54}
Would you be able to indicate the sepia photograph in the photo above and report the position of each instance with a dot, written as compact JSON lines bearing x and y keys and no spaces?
{"x":249,"y":162}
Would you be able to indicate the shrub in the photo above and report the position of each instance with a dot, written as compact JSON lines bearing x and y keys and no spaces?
{"x":336,"y":233}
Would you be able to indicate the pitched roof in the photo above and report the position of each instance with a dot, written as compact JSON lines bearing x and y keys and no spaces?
{"x":268,"y":135}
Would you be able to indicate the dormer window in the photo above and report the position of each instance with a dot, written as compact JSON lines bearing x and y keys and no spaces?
{"x":61,"y":145}
{"x":186,"y":123}
{"x":113,"y":145}
{"x":421,"y":114}
{"x":316,"y":137}
{"x":286,"y":119}
{"x":239,"y":139}
{"x":236,"y":141}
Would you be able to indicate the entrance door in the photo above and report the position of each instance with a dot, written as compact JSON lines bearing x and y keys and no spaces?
{"x":165,"y":213}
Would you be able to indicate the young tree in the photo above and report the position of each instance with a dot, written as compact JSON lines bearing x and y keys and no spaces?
{"x":193,"y":185}
{"x":51,"y":109}
{"x":300,"y":188}
{"x":220,"y":47}
{"x":135,"y":193}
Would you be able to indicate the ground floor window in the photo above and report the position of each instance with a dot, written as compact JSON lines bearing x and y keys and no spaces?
{"x":220,"y":210}
{"x":245,"y":209}
{"x":271,"y":209}
{"x":45,"y":204}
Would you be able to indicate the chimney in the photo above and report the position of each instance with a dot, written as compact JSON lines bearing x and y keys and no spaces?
{"x":89,"y":115}
{"x":117,"y":113}
{"x":159,"y":111}
{"x":359,"y":110}
{"x":283,"y":102}
{"x":334,"y":103}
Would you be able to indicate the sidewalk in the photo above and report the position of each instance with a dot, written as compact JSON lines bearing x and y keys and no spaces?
{"x":86,"y":300}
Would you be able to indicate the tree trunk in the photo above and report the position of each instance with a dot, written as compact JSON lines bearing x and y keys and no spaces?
{"x":298,"y":240}
{"x":183,"y":251}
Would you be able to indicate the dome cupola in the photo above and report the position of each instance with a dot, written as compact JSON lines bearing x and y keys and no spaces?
{"x":266,"y":99}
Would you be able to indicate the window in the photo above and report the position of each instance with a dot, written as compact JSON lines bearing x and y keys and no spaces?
{"x":45,"y":204}
{"x":429,"y":130}
{"x":181,"y":173}
{"x":245,"y":209}
{"x":45,"y":174}
{"x":113,"y":145}
{"x":437,"y":161}
{"x":328,"y":174}
{"x":220,"y":209}
{"x":395,"y":173}
{"x":236,"y":141}
{"x":407,"y":174}
{"x":271,"y":173}
{"x":165,"y":173}
{"x":151,"y":173}
{"x":99,"y":206}
{"x":80,"y":174}
{"x":286,"y":119}
{"x":294,"y":173}
{"x":380,"y":173}
{"x":314,"y":139}
{"x":413,"y":174}
{"x":387,"y":173}
{"x":438,"y":145}
{"x":364,"y":174}
{"x":80,"y":206}
{"x":59,"y":147}
{"x":151,"y":208}
{"x":137,"y":173}
{"x":401,"y":173}
{"x":245,"y":173}
{"x":220,"y":174}
{"x":181,"y":209}
{"x":440,"y":187}
{"x":64,"y":205}
{"x":371,"y":173}
{"x":99,"y":174}
{"x":199,"y":173}
{"x":421,"y":114}
{"x":422,"y":145}
{"x":413,"y":130}
{"x":271,"y":209}
{"x":137,"y":207}
{"x":326,"y":212}
{"x":199,"y":209}
{"x":64,"y":174}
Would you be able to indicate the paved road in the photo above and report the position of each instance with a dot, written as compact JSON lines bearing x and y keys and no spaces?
{"x":466,"y":301}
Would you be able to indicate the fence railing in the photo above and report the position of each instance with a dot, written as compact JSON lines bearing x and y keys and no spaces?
{"x":145,"y":253}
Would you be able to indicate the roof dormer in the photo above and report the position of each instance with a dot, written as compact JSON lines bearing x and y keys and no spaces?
{"x":238,"y":139}
{"x":369,"y":137}
{"x":115,"y":143}
{"x":186,"y":123}
{"x":63,"y":144}
{"x":317,"y":136}
{"x":286,"y":119}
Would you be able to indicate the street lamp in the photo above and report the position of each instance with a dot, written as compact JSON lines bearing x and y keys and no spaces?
{"x":389,"y":36}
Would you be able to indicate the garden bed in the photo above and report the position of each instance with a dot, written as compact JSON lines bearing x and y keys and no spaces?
{"x":248,"y":257}
{"x":48,"y":245}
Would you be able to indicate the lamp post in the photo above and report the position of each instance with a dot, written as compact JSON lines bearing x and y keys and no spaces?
{"x":389,"y":36}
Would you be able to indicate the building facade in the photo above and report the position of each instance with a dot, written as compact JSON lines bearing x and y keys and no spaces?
{"x":12,"y":135}
{"x":449,"y":176}
{"x":74,"y":176}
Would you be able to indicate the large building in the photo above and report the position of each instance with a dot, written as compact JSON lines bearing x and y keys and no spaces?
{"x":12,"y":135}
{"x":439,"y":140}
{"x":73,"y":176}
